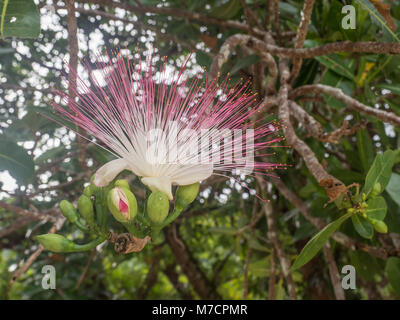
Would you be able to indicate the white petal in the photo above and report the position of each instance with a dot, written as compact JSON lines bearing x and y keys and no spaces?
{"x":191,"y":174}
{"x":162,"y":184}
{"x":105,"y":174}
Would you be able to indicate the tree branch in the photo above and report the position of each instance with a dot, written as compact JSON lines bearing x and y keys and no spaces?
{"x":350,"y":102}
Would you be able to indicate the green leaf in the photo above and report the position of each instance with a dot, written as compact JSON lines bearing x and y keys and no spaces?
{"x":16,"y":160}
{"x":395,"y":88}
{"x":335,"y":63}
{"x":19,"y":18}
{"x":245,"y":62}
{"x":380,"y":171}
{"x":365,"y":148}
{"x":363,"y":226}
{"x":260,"y":268}
{"x":376,"y":208}
{"x":317,"y":242}
{"x":393,"y":187}
{"x":377,"y":18}
{"x":392,"y":271}
{"x":228,"y":10}
{"x":203,"y":59}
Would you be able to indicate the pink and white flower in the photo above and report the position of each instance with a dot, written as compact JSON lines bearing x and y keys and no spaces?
{"x":169,"y":131}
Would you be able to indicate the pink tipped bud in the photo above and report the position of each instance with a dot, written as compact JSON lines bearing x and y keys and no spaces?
{"x":122,"y":204}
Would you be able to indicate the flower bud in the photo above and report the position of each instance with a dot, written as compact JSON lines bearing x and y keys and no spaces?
{"x":122,"y":204}
{"x":379,"y":225}
{"x":377,"y":189}
{"x":55,"y":242}
{"x":85,"y":207}
{"x":68,"y":210}
{"x":185,"y":195}
{"x":122,"y":183}
{"x":364,"y":197}
{"x":157,"y":207}
{"x":88,"y":191}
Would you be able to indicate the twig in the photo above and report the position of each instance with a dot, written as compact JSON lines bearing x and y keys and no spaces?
{"x":273,"y":236}
{"x":333,"y":272}
{"x":35,"y":215}
{"x":110,"y":16}
{"x":301,"y":36}
{"x":350,"y":102}
{"x":16,"y":225}
{"x":276,"y":20}
{"x":314,"y":128}
{"x":32,"y":258}
{"x":240,"y":40}
{"x":250,"y":16}
{"x":86,"y":269}
{"x":230,"y":24}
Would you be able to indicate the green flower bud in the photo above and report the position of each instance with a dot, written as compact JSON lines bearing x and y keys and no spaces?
{"x":55,"y":242}
{"x":157,"y":207}
{"x":88,"y":191}
{"x":377,"y":189}
{"x":379,"y":225}
{"x":351,"y":210}
{"x":185,"y":195}
{"x":122,"y":183}
{"x":364,"y":197}
{"x":68,"y":210}
{"x":122,"y":204}
{"x":85,"y":207}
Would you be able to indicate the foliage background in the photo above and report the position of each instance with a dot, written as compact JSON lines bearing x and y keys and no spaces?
{"x":221,"y":247}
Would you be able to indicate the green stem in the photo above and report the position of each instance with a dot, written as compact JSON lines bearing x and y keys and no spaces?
{"x":81,"y":226}
{"x":175,"y":214}
{"x":130,"y":226}
{"x":88,"y":246}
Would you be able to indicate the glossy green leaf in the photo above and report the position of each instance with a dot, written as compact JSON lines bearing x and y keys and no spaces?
{"x":362,"y":226}
{"x":19,"y":18}
{"x":317,"y":242}
{"x":336,"y":63}
{"x":365,"y":148}
{"x":395,"y":88}
{"x":377,"y":18}
{"x":393,"y":187}
{"x":380,"y":171}
{"x":16,"y":161}
{"x":376,"y":208}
